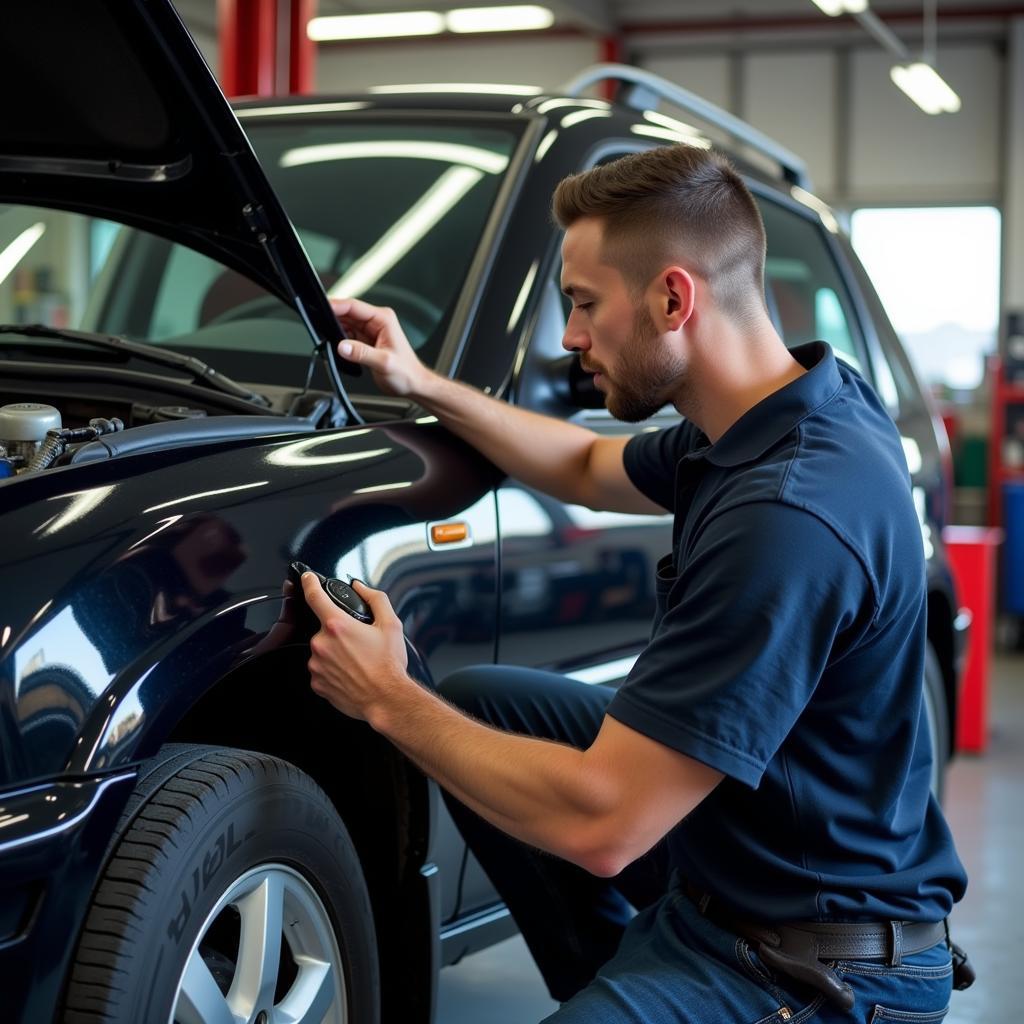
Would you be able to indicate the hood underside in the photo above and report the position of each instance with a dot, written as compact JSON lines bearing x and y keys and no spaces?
{"x":113,"y":112}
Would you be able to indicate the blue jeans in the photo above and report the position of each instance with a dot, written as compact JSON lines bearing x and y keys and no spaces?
{"x":635,"y":948}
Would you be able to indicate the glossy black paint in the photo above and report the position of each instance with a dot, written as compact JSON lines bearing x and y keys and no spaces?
{"x":146,"y":598}
{"x":188,"y":586}
{"x":59,"y":836}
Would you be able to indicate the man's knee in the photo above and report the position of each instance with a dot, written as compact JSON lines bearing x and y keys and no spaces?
{"x":529,"y":701}
{"x":500,"y":695}
{"x":465,"y":688}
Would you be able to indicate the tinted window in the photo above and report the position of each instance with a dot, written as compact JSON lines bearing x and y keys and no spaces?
{"x":389,"y":212}
{"x":804,"y":290}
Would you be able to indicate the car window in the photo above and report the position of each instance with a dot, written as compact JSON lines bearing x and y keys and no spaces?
{"x":389,"y":211}
{"x":803,"y":286}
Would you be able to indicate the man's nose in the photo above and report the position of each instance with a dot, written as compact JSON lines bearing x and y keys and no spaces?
{"x":574,"y":340}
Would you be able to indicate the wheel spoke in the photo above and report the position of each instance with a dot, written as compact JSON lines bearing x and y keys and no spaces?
{"x":259,"y":948}
{"x":311,"y":996}
{"x":200,"y":1001}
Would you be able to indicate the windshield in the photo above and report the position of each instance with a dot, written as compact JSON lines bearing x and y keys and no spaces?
{"x":390,"y":212}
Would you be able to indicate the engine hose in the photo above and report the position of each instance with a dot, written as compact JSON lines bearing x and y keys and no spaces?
{"x":56,"y":441}
{"x":49,"y":451}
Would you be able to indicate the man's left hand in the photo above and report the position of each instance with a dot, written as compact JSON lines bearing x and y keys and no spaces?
{"x":355,"y":665}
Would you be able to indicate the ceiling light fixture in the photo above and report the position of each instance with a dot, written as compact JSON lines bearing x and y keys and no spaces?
{"x":833,"y":8}
{"x":525,"y":17}
{"x":926,"y":87}
{"x":515,"y":18}
{"x":919,"y":79}
{"x":375,"y":26}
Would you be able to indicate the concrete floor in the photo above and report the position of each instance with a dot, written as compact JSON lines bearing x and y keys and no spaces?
{"x":985,"y":807}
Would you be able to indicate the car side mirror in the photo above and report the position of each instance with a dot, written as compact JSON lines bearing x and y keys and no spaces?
{"x":572,"y":384}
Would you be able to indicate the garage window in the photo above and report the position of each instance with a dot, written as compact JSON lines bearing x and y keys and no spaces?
{"x":909,"y":253}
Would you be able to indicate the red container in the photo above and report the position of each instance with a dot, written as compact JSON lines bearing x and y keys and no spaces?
{"x":972,"y":557}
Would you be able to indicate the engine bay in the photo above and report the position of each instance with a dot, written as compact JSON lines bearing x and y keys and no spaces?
{"x":69,"y":426}
{"x":40,"y":430}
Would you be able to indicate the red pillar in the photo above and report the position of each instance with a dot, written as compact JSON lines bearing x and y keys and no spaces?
{"x":611,"y":53}
{"x":301,"y":49}
{"x":249,"y":50}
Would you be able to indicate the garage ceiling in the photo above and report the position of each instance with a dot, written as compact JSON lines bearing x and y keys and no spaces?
{"x":699,"y":18}
{"x":612,"y":13}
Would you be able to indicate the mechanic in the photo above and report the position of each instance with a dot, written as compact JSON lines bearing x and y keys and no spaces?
{"x":743,"y":831}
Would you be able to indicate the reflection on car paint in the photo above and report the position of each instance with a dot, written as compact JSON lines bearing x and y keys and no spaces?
{"x":80,"y":505}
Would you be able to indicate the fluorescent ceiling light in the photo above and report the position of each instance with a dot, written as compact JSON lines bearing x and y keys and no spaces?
{"x":375,"y":26}
{"x":833,"y":8}
{"x":15,"y":252}
{"x":499,"y":19}
{"x":926,"y":87}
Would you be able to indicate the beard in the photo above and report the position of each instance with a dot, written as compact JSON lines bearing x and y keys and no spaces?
{"x":648,"y":374}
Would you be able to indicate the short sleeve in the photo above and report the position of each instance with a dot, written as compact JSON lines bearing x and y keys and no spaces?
{"x":769,"y":594}
{"x":650,"y":459}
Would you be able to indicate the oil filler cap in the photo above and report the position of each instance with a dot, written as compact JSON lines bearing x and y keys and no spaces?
{"x":27,"y":421}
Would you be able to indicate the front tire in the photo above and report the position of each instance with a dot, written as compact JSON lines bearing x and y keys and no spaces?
{"x":234,"y":894}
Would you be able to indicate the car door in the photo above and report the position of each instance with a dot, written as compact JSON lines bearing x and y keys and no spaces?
{"x":576,"y":585}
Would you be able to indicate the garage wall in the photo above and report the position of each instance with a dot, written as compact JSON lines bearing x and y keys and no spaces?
{"x":793,"y":98}
{"x":899,"y":153}
{"x":709,"y":76}
{"x":863,"y":141}
{"x":208,"y":45}
{"x":1013,"y":210}
{"x":544,"y":61}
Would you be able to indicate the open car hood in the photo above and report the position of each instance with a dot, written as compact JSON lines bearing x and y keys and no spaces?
{"x":112,"y":111}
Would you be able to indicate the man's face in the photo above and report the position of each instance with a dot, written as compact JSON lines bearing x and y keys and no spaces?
{"x":615,"y":335}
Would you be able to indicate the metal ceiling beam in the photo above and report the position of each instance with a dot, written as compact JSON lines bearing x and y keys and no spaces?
{"x":874,"y":26}
{"x":594,"y":15}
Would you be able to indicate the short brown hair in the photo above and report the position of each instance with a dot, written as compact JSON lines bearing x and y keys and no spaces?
{"x":674,"y":204}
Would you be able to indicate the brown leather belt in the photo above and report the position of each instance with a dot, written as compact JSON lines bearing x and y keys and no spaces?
{"x":799,"y":949}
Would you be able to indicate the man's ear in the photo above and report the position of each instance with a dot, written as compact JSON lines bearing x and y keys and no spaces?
{"x":676,"y":293}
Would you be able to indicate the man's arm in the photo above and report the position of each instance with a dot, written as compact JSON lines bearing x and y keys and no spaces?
{"x":600,"y":808}
{"x":562,"y":459}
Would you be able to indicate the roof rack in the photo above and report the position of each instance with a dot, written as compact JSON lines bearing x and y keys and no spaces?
{"x":646,"y":89}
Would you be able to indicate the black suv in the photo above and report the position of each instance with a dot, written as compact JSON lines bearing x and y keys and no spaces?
{"x":186,"y":832}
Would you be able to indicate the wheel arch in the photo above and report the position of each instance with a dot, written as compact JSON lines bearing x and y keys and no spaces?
{"x":267,"y":705}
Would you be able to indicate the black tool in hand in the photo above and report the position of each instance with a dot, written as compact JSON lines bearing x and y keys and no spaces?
{"x":337,"y":590}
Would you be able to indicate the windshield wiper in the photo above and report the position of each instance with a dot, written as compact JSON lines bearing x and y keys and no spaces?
{"x":200,"y":371}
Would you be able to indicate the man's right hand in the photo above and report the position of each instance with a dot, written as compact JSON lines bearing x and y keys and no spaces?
{"x":379,"y":343}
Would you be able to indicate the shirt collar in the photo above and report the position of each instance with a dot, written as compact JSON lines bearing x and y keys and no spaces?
{"x":775,"y":416}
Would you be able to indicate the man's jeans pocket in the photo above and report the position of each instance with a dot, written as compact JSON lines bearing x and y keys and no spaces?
{"x":908,"y":1016}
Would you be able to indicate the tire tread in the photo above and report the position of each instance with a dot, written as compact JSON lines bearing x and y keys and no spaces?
{"x":173,"y":794}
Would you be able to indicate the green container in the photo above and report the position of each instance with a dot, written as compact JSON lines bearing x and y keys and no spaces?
{"x":970,"y":466}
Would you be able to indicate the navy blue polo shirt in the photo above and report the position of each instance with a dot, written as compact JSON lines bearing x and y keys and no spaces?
{"x":788,"y":653}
